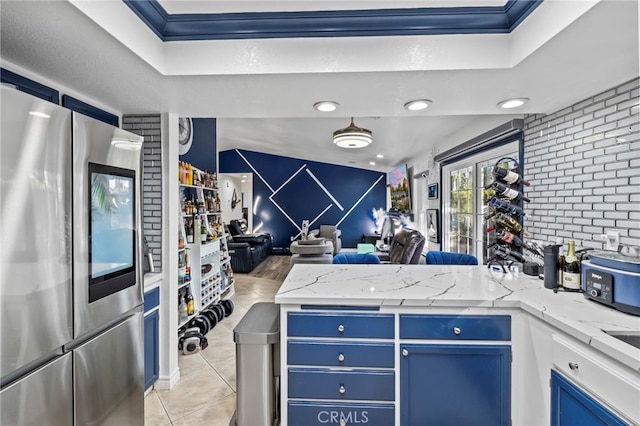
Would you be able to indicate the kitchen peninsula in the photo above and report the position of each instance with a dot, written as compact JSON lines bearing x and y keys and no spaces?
{"x":416,"y":344}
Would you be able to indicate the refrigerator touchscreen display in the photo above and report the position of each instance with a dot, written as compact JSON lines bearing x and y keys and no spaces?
{"x":111,"y":230}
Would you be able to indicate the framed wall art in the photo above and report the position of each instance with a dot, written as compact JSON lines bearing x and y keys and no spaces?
{"x":432,"y":190}
{"x":433,"y":228}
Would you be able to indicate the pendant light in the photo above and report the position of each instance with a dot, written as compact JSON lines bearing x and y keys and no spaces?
{"x":352,"y":136}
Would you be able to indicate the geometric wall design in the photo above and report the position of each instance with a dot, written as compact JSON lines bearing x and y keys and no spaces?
{"x":288,"y":190}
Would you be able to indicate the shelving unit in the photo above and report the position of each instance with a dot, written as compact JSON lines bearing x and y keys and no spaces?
{"x":204,"y":263}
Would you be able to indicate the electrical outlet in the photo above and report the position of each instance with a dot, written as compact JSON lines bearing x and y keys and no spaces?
{"x":613,"y":241}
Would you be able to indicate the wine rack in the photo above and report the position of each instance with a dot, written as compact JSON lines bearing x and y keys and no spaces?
{"x":505,"y":214}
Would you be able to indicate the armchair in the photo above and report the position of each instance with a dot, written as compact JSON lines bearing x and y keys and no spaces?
{"x":406,"y":247}
{"x":331,"y":233}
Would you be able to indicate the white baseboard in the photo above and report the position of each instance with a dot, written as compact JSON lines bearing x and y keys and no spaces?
{"x":167,"y":383}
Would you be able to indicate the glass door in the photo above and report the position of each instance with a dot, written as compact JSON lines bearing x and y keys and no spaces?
{"x":465,"y":214}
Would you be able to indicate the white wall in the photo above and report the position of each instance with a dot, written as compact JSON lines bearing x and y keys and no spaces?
{"x":226,"y":184}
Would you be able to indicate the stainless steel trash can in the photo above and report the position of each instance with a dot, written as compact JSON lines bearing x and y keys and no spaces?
{"x":257,"y":338}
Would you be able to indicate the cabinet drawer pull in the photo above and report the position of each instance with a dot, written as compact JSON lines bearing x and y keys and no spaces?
{"x":340,"y":357}
{"x":342,"y":390}
{"x":457,"y":330}
{"x":405,"y":352}
{"x":341,"y":328}
{"x":573,"y":365}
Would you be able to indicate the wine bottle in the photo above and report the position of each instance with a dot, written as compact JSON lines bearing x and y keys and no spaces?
{"x":506,"y":191}
{"x":505,"y":207}
{"x":182,"y":309}
{"x":561,"y":263}
{"x":510,"y":223}
{"x":509,"y":176}
{"x":191,"y":307}
{"x":508,"y":237}
{"x":203,"y":230}
{"x":503,"y":250}
{"x":189,"y":231}
{"x":571,"y":268}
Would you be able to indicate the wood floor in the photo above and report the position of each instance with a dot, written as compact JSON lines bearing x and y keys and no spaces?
{"x":272,"y":268}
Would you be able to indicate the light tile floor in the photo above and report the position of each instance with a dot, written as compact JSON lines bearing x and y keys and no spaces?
{"x":206,"y":392}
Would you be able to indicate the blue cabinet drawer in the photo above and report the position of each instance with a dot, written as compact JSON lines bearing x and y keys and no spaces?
{"x":331,"y":413}
{"x":455,"y":327}
{"x":303,"y":324}
{"x":320,"y":383}
{"x":151,"y":299}
{"x":340,"y":353}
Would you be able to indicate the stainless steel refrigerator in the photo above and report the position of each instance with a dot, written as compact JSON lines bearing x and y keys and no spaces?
{"x":71,"y":321}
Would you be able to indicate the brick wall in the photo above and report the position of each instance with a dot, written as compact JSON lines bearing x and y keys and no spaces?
{"x":583,"y":181}
{"x":148,"y":126}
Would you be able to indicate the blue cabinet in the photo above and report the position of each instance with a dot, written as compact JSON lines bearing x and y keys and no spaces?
{"x":335,"y":374}
{"x":338,"y":325}
{"x":151,"y":338}
{"x":455,"y":383}
{"x":572,"y":406}
{"x":302,"y":413}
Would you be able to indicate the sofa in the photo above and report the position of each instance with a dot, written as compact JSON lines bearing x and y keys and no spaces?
{"x":246,"y":250}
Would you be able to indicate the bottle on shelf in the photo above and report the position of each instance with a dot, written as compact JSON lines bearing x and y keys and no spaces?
{"x":509,"y":176}
{"x":510,"y":224}
{"x":187,"y":266}
{"x":180,"y":240}
{"x":203,"y":230}
{"x":189,"y":231}
{"x":506,"y":191}
{"x":191,"y":307}
{"x":183,"y":314}
{"x":571,"y":268}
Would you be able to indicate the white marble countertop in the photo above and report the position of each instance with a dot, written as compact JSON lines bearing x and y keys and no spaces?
{"x":461,"y":287}
{"x":152,"y":280}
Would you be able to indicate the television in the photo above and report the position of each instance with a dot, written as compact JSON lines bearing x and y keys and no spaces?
{"x":399,"y":189}
{"x":112,"y":230}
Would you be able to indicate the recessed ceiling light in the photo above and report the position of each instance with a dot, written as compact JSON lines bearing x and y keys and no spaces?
{"x":379,"y":156}
{"x":326,"y":106}
{"x":244,"y":176}
{"x":513,"y":103}
{"x":372,"y":163}
{"x":417,"y":105}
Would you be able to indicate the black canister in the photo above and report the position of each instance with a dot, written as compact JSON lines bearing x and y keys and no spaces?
{"x":551,"y":266}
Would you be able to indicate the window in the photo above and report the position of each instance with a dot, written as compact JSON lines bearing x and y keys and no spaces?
{"x":464,"y":200}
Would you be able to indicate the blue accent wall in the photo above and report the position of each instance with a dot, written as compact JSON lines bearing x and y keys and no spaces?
{"x":203,"y":151}
{"x":287,"y":191}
